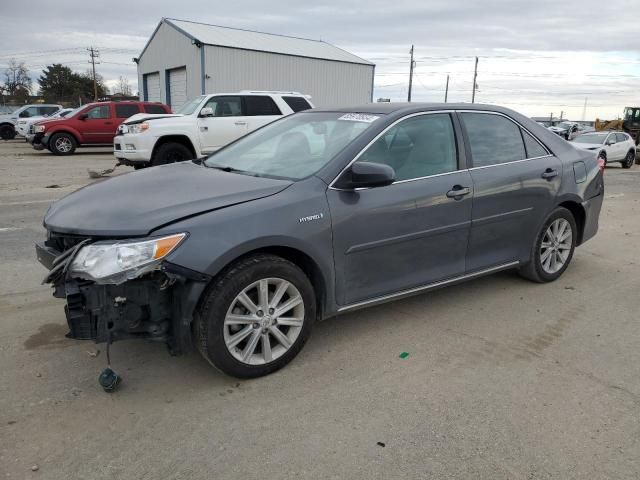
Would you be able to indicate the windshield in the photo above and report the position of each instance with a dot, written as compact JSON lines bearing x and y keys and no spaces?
{"x":564,"y":124}
{"x":294,"y":147}
{"x":599,"y":138}
{"x":190,"y":107}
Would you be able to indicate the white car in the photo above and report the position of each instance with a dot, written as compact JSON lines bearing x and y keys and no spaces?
{"x":611,"y":146}
{"x":8,"y":121}
{"x":202,"y":126}
{"x":23,"y":126}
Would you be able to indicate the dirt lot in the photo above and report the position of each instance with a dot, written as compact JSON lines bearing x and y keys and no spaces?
{"x":504,"y":378}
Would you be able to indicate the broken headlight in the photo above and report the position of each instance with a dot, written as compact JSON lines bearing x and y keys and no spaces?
{"x":117,"y":262}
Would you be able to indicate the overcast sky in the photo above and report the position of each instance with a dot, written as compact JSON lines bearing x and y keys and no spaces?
{"x":536,"y":56}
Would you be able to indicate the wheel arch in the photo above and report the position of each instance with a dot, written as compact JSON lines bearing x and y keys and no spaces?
{"x":76,"y":137}
{"x":312,"y":269}
{"x":579,"y":214}
{"x":178,"y":138}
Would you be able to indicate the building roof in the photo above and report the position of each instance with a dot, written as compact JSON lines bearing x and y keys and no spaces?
{"x":258,"y":41}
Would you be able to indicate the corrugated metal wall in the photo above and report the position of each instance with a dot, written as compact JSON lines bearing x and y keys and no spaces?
{"x":328,"y":82}
{"x":171,"y":49}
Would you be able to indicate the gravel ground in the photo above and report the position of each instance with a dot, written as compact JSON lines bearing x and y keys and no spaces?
{"x":504,"y":379}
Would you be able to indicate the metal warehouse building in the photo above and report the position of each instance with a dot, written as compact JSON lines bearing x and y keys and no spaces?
{"x":183,"y":59}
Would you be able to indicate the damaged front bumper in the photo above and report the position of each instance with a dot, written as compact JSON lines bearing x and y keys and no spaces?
{"x":157,"y":306}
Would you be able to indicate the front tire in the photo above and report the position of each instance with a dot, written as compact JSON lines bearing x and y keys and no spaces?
{"x":170,"y":153}
{"x":62,"y":144}
{"x":629,"y":160}
{"x":553,"y":248}
{"x":7,"y":132}
{"x":256,"y":316}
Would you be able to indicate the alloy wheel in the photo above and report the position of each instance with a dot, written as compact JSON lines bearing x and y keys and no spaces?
{"x":63,"y":145}
{"x":264,"y":321}
{"x":556,"y":246}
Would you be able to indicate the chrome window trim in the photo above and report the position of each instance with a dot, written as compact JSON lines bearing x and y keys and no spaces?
{"x":381,"y":134}
{"x":411,"y":115}
{"x":490,"y":112}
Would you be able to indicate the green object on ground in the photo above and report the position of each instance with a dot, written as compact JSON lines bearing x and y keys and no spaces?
{"x":404,"y":354}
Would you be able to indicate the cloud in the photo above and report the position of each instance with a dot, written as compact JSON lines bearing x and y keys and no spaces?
{"x":536,"y":57}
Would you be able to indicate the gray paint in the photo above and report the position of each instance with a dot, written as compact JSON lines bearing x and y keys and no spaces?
{"x":369,"y":245}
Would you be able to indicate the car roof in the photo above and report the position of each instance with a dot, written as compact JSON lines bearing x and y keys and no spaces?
{"x":387,"y":108}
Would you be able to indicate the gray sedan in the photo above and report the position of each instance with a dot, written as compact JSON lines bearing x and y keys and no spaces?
{"x":319,"y":213}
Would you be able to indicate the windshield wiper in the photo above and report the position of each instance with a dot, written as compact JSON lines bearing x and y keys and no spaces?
{"x":230,"y":169}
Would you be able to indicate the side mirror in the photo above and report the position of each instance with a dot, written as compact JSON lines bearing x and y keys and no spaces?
{"x":206,"y":112}
{"x":83,"y":117}
{"x":366,"y":175}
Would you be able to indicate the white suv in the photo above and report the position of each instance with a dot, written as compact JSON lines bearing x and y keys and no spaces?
{"x":8,"y":121}
{"x":201,"y":126}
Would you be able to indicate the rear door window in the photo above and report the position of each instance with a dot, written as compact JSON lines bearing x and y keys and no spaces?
{"x":154,"y":109}
{"x":125,"y":110}
{"x":493,"y":139}
{"x":261,"y":105}
{"x":297,"y":104}
{"x":621,"y":137}
{"x":48,"y":110}
{"x":534,"y":149}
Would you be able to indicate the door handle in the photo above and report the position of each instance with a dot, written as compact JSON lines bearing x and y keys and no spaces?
{"x":108,"y":123}
{"x":549,"y":173}
{"x":457,"y":192}
{"x":240,"y":123}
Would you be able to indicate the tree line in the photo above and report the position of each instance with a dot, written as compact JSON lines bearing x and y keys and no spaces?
{"x":58,"y":83}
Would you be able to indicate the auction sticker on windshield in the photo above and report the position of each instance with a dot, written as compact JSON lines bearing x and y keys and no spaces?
{"x":359,"y":117}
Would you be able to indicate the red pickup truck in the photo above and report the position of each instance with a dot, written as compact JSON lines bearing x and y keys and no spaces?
{"x":90,"y":125}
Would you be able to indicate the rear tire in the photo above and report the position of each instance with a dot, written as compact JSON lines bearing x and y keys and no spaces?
{"x":7,"y":132}
{"x":629,"y":160}
{"x":241,"y":332}
{"x":170,"y":153}
{"x":62,"y":144}
{"x":553,"y":248}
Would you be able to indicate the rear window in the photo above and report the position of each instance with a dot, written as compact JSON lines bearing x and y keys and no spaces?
{"x":261,"y":106}
{"x":126,"y":110}
{"x":297,"y":104}
{"x":154,"y":109}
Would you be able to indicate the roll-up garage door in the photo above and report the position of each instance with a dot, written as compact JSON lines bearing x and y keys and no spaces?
{"x":153,"y":87}
{"x":178,"y":87}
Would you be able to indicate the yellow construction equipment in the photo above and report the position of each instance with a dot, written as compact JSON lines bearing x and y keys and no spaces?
{"x":629,"y":123}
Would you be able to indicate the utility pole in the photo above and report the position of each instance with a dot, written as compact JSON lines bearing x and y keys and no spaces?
{"x":410,"y":75}
{"x":446,"y":90}
{"x":93,"y":54}
{"x":561,"y":114}
{"x":584,"y":110}
{"x":475,"y":85}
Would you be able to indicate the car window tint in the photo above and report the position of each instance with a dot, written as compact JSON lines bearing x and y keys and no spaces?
{"x":259,"y":105}
{"x":621,"y":137}
{"x":29,"y":112}
{"x":494,"y":139}
{"x":225,"y":106}
{"x":154,"y":109}
{"x":124,"y":110}
{"x":48,"y":110}
{"x":297,"y":104}
{"x":417,"y":147}
{"x":99,"y":112}
{"x":534,"y":149}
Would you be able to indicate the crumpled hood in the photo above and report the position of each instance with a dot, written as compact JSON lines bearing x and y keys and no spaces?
{"x":136,"y":203}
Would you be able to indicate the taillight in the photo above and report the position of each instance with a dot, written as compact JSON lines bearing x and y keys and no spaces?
{"x":601,"y":163}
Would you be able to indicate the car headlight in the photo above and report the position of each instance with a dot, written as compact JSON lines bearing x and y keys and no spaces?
{"x":138,"y":127}
{"x":39,"y":128}
{"x":117,"y":262}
